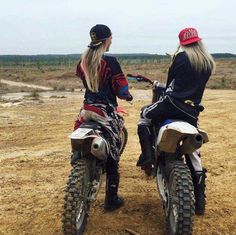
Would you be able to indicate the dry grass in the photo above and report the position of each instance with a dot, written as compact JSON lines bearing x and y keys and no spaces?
{"x":64,"y":78}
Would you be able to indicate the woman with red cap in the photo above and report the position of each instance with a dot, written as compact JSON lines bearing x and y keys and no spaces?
{"x":104,"y":81}
{"x":187,"y":77}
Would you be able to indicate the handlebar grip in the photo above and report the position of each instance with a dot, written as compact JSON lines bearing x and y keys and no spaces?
{"x":140,"y":78}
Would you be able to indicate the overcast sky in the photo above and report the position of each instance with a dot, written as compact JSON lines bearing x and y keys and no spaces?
{"x":148,"y":26}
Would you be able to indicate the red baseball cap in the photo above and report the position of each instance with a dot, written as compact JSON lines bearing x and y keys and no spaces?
{"x":188,"y":36}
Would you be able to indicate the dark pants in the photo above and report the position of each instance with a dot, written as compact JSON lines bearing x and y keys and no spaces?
{"x":162,"y":110}
{"x":112,"y":166}
{"x":112,"y":177}
{"x":112,"y":201}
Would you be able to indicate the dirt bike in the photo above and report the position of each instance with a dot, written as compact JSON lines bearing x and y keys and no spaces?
{"x":90,"y":149}
{"x":173,"y":141}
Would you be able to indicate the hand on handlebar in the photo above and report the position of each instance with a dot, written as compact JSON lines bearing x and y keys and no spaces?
{"x":129,"y":98}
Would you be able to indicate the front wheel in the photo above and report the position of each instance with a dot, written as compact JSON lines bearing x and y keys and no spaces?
{"x":124,"y":139}
{"x":180,"y":213}
{"x":76,"y":204}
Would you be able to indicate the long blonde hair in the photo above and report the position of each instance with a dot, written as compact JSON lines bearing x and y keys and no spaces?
{"x":90,"y":63}
{"x":199,"y":58}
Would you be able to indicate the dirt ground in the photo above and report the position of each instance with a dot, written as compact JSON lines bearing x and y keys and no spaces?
{"x":35,"y":153}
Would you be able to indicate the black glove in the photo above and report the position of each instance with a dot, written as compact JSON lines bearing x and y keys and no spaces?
{"x":129,"y":98}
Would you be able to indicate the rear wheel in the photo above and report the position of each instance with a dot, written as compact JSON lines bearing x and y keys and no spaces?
{"x":76,"y":203}
{"x":180,"y":206}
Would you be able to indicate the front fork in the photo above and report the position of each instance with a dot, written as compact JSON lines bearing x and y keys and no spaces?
{"x":96,"y":169}
{"x":162,"y":184}
{"x":158,"y":90}
{"x":95,"y":185}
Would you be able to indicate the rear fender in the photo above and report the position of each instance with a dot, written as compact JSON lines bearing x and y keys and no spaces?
{"x":181,"y":136}
{"x":89,"y":142}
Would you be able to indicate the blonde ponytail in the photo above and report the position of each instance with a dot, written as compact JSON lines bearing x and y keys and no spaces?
{"x":90,"y":63}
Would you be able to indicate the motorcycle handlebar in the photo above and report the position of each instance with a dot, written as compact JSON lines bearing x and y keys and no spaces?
{"x":140,"y":78}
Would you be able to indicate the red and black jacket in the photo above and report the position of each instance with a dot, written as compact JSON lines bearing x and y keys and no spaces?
{"x":112,"y":83}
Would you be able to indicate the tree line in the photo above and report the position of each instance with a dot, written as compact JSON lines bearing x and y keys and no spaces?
{"x":59,"y":59}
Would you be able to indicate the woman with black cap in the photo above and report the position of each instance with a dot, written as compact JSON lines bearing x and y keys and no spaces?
{"x":187,"y":77}
{"x":104,"y":81}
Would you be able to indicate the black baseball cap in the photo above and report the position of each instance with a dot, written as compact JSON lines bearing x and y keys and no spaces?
{"x":98,"y":34}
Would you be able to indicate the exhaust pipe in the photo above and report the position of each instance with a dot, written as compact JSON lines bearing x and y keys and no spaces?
{"x":191,"y":143}
{"x":99,"y":148}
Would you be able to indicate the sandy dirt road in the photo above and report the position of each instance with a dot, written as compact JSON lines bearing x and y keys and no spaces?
{"x":23,"y":84}
{"x":35,"y":152}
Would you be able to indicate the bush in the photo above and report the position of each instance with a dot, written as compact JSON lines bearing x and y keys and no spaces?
{"x":34,"y":94}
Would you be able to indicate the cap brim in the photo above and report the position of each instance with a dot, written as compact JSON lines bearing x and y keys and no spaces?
{"x":92,"y":44}
{"x":193,"y":40}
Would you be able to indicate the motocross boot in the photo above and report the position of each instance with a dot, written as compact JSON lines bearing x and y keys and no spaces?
{"x":146,"y":142}
{"x":199,"y":191}
{"x":112,"y":200}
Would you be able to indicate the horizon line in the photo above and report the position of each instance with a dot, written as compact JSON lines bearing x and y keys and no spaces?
{"x":123,"y":53}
